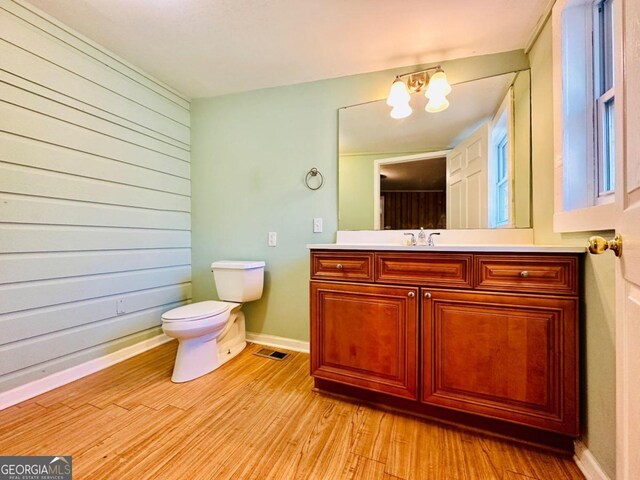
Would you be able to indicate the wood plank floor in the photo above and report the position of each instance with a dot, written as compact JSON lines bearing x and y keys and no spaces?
{"x":254,"y":418}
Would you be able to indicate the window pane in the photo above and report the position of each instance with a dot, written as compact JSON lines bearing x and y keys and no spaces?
{"x":503,"y":204}
{"x":502,"y":182}
{"x":609,"y":159}
{"x":603,"y":47}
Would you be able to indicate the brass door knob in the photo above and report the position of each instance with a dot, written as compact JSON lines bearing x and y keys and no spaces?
{"x":598,"y":245}
{"x":411,"y":294}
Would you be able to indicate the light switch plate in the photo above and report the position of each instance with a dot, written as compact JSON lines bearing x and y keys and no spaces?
{"x":273,"y":239}
{"x":317,"y":225}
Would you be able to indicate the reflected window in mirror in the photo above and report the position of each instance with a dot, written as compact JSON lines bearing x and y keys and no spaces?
{"x":500,"y":168}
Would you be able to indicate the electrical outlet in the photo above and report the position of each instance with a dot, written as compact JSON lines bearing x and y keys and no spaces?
{"x":121,"y":306}
{"x":317,"y":225}
{"x":273,"y":239}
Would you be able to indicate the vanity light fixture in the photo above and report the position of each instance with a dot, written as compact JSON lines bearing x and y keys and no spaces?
{"x":437,"y":89}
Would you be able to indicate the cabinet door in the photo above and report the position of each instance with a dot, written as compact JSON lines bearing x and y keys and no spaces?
{"x":366,"y":336}
{"x":512,"y":357}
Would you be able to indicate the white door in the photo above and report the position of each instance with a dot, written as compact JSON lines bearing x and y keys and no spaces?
{"x":628,"y":265}
{"x":467,"y":181}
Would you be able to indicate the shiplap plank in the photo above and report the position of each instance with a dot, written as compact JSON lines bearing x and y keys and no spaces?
{"x":34,"y":40}
{"x":32,"y":181}
{"x":23,"y":296}
{"x":47,"y":211}
{"x":62,"y":85}
{"x":17,"y":326}
{"x":50,"y":25}
{"x":43,"y":266}
{"x":31,"y":351}
{"x":35,"y":372}
{"x":44,"y":238}
{"x":37,"y":103}
{"x":20,"y":121}
{"x":33,"y":153}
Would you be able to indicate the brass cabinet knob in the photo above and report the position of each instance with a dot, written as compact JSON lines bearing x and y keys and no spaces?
{"x":427,"y":295}
{"x":524,"y":274}
{"x":339,"y":266}
{"x":411,"y":294}
{"x":598,"y":245}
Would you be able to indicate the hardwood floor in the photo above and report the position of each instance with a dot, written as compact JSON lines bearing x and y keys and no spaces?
{"x":254,"y":418}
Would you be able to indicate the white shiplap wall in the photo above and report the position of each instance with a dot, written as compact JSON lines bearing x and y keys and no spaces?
{"x":94,"y":198}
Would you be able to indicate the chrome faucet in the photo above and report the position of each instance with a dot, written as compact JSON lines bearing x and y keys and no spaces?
{"x":430,"y":242}
{"x":413,"y":239}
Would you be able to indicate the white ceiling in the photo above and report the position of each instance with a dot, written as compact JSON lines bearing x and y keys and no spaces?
{"x":212,"y":47}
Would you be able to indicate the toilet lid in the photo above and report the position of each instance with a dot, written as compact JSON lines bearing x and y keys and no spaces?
{"x":196,"y":311}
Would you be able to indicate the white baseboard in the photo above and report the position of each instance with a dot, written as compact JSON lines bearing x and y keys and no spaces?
{"x":587,"y":463}
{"x":55,"y":380}
{"x":280,"y":342}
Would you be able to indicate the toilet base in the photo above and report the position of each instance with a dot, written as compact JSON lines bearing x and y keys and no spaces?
{"x":195,"y":357}
{"x":202,"y":355}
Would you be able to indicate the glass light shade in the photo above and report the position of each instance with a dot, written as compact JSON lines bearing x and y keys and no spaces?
{"x":402,"y":110}
{"x":437,"y":104}
{"x":399,"y":94}
{"x":438,"y":85}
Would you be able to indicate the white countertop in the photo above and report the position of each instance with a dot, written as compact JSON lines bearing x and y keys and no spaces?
{"x":450,"y":248}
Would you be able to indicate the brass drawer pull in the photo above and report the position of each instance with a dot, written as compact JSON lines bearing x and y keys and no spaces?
{"x":427,"y":295}
{"x":411,"y":294}
{"x":524,"y":274}
{"x":339,"y":266}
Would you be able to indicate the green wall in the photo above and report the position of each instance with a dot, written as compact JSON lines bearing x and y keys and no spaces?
{"x":598,"y":311}
{"x":250,"y":153}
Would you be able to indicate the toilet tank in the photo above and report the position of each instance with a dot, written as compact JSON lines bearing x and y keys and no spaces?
{"x":238,"y":281}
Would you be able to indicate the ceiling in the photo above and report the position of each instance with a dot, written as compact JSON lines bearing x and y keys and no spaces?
{"x":206,"y":48}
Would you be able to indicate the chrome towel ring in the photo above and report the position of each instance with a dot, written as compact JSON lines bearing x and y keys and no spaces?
{"x":313,"y":173}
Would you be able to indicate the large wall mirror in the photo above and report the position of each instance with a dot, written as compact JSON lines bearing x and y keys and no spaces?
{"x":466,"y":167}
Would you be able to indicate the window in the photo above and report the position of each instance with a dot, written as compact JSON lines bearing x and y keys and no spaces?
{"x":586,"y":56}
{"x":604,"y":93}
{"x":500,"y":170}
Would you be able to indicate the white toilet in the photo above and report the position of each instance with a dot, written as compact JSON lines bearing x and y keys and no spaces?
{"x":211,"y":333}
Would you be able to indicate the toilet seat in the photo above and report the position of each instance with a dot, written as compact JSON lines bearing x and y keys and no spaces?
{"x":196,"y":311}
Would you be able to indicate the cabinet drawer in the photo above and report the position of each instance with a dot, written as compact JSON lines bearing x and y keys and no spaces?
{"x":432,"y":269}
{"x":354,"y":266}
{"x":527,"y":273}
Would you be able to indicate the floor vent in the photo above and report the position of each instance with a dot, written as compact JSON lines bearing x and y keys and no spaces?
{"x":273,"y":354}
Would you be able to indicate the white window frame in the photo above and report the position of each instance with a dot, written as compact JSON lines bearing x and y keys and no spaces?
{"x":590,"y":211}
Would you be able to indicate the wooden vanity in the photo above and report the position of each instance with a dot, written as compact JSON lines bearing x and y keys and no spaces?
{"x":484,"y":338}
